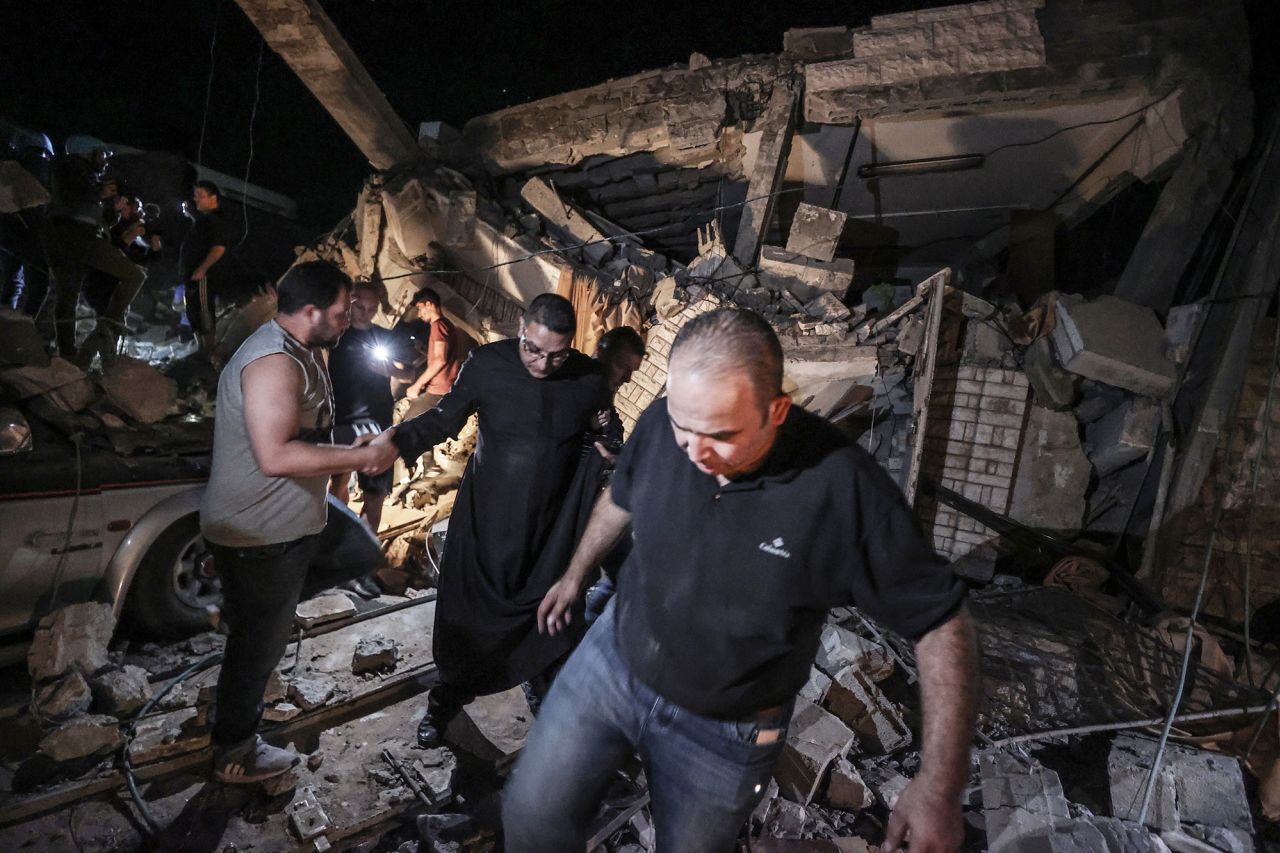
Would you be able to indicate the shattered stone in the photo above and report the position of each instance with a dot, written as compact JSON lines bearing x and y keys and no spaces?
{"x":438,"y":770}
{"x":1180,"y":328}
{"x":841,"y":647}
{"x":1113,"y":341}
{"x":61,"y":383}
{"x":815,"y":689}
{"x":1054,"y":388}
{"x":911,"y":335}
{"x":698,"y":61}
{"x":984,"y":344}
{"x":886,"y":781}
{"x":276,"y":688}
{"x":324,"y":608}
{"x":806,"y":278}
{"x":374,"y":654}
{"x":815,"y":739}
{"x":280,"y":712}
{"x":61,"y":700}
{"x":92,"y":734}
{"x":310,"y":693}
{"x":142,"y":392}
{"x":1052,"y":473}
{"x":542,"y":197}
{"x":122,"y":692}
{"x":1026,"y":810}
{"x":846,"y":789}
{"x":21,"y":343}
{"x":1127,"y":837}
{"x":1194,"y":786}
{"x":1123,"y":435}
{"x":815,"y":232}
{"x":446,"y":828}
{"x":72,"y":637}
{"x":864,"y":708}
{"x":828,"y":308}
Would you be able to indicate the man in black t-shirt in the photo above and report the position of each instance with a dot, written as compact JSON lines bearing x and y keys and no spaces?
{"x":206,"y":270}
{"x":751,"y":519}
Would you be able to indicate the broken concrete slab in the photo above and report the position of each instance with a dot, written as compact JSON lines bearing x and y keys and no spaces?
{"x":1026,"y":811}
{"x":280,"y":712}
{"x":815,"y":739}
{"x":1052,"y":472}
{"x":1113,"y":341}
{"x":324,"y":608}
{"x":805,"y":278}
{"x":1123,"y":435}
{"x":847,"y":789}
{"x":21,"y":344}
{"x":61,"y":383}
{"x":828,"y":308}
{"x":72,"y":637}
{"x":1054,"y":388}
{"x":1194,"y":786}
{"x":374,"y":654}
{"x":310,"y":693}
{"x":815,"y":232}
{"x":63,"y":699}
{"x":984,"y":344}
{"x":566,"y":219}
{"x":121,"y":692}
{"x":815,"y":689}
{"x":91,"y":734}
{"x":142,"y":392}
{"x":863,"y":707}
{"x":841,"y":647}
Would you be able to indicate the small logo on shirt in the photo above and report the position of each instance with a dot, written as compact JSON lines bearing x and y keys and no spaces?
{"x":776,"y":548}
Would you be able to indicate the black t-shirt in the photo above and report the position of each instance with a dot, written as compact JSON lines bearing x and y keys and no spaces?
{"x":210,"y":229}
{"x":360,"y":392}
{"x":722,"y":600}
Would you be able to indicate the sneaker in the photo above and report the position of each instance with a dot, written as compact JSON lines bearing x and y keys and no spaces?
{"x":252,"y":761}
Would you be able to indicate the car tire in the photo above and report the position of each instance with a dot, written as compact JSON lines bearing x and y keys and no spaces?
{"x":173,"y":584}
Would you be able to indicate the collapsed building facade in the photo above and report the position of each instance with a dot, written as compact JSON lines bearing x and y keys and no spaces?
{"x":925,"y":209}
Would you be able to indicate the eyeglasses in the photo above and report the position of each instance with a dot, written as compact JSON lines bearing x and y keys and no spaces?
{"x":537,"y":354}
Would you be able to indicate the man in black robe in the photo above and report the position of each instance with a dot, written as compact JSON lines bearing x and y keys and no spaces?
{"x":508,"y":538}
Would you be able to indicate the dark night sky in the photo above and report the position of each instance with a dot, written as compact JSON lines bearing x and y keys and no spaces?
{"x":136,"y":72}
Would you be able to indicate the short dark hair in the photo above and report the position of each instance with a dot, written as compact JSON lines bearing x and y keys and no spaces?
{"x":620,"y":339}
{"x":211,"y":188}
{"x":317,"y":283}
{"x":732,"y":339}
{"x":426,"y":294}
{"x":554,"y":312}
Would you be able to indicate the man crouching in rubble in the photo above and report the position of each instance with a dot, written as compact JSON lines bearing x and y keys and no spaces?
{"x":751,"y":519}
{"x":273,"y":536}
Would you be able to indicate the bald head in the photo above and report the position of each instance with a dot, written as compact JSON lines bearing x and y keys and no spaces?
{"x":730,"y":341}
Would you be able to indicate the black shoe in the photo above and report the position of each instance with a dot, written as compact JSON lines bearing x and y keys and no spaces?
{"x":431,"y":731}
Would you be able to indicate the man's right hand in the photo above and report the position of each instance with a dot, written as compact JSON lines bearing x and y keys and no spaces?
{"x":414,"y":391}
{"x":379,"y":454}
{"x":555,"y":611}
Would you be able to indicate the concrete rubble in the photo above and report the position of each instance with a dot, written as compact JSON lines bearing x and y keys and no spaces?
{"x":374,"y":654}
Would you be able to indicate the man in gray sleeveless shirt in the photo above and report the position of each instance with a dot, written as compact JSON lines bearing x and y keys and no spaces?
{"x":274,"y":536}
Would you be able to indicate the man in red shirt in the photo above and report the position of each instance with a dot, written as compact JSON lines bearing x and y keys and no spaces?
{"x":445,"y":352}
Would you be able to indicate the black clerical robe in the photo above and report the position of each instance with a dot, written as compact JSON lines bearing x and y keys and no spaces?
{"x":511,"y":534}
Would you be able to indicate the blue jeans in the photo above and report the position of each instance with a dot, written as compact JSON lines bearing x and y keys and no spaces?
{"x":705,"y":775}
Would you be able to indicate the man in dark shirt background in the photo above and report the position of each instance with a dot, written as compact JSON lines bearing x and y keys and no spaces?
{"x":751,"y":518}
{"x":206,"y":270}
{"x":361,"y":368}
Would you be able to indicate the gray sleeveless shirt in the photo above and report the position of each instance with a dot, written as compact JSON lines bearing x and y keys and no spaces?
{"x":242,"y":506}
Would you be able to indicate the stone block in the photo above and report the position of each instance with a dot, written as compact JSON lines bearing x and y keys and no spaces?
{"x":92,"y":734}
{"x":310,"y":693}
{"x":1194,"y":786}
{"x":878,"y":42}
{"x":61,"y":383}
{"x":815,"y":689}
{"x":1054,"y":388}
{"x":1053,"y":473}
{"x":841,"y":647}
{"x":846,"y":789}
{"x":63,"y":699}
{"x":855,"y":699}
{"x":142,"y":392}
{"x":815,"y":232}
{"x":324,"y":608}
{"x":121,"y":692}
{"x":72,"y":637}
{"x":21,"y":344}
{"x":828,"y":308}
{"x":374,"y":654}
{"x":1026,"y":811}
{"x":984,"y":344}
{"x":815,"y":739}
{"x":817,"y":42}
{"x":1113,"y":341}
{"x":567,"y":220}
{"x":1123,"y":435}
{"x":806,"y":278}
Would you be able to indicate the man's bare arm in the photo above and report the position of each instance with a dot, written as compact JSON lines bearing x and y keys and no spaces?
{"x":608,"y":522}
{"x":928,"y":812}
{"x":215,"y":255}
{"x":437,"y":353}
{"x":267,"y":384}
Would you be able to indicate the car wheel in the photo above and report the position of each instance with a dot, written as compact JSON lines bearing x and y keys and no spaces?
{"x":174,"y":584}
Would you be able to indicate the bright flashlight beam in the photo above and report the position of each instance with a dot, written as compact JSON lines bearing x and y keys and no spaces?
{"x":381,"y":353}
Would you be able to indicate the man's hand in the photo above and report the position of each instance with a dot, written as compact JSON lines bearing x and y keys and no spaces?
{"x":609,"y":456}
{"x":931,"y":821}
{"x":380,"y":453}
{"x":554,"y":613}
{"x":199,"y":273}
{"x":414,"y":391}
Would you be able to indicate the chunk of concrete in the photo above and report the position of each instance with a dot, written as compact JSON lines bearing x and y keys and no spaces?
{"x":144,"y":393}
{"x":1026,"y":811}
{"x":280,"y":712}
{"x":815,"y":232}
{"x":567,"y":220}
{"x":815,"y":689}
{"x":984,"y":344}
{"x":324,"y":608}
{"x":122,"y":692}
{"x":828,"y":308}
{"x":72,"y":637}
{"x":374,"y":654}
{"x":61,"y":383}
{"x":815,"y":739}
{"x":92,"y":734}
{"x":1115,"y":342}
{"x":806,"y":278}
{"x":21,"y":344}
{"x":847,"y":789}
{"x":63,"y":699}
{"x":1180,"y":326}
{"x":1194,"y":786}
{"x":310,"y":693}
{"x":841,"y":647}
{"x":1054,"y":388}
{"x":864,"y":708}
{"x":1052,"y":474}
{"x":1123,"y":435}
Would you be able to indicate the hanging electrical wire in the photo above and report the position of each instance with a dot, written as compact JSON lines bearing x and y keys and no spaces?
{"x":248,"y":166}
{"x":208,"y":86}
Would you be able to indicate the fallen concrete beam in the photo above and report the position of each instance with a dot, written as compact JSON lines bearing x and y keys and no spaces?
{"x":766,"y":176}
{"x":815,"y":232}
{"x":1113,"y":341}
{"x":802,"y":276}
{"x":567,"y":219}
{"x":1052,"y":473}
